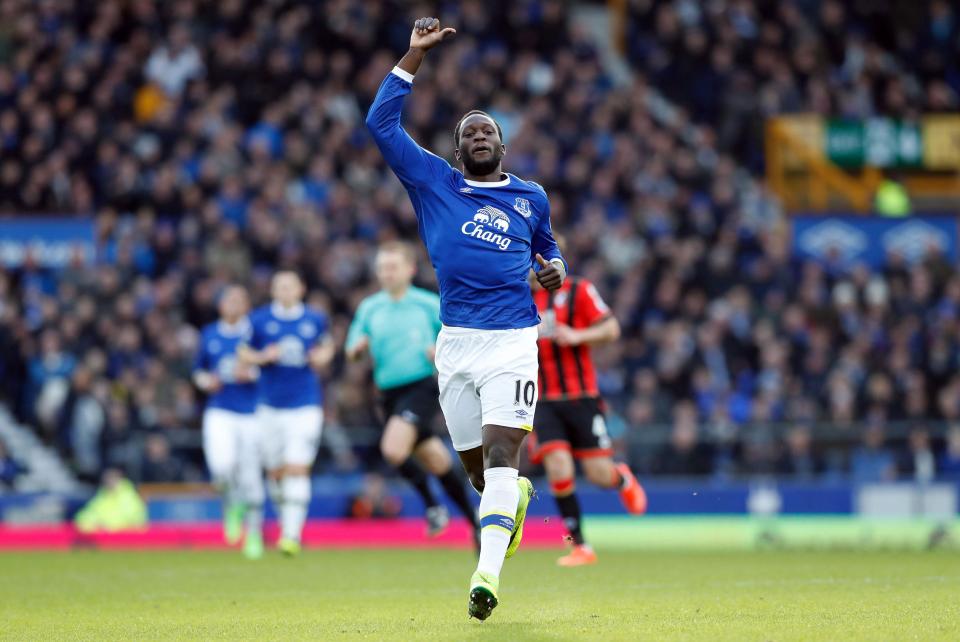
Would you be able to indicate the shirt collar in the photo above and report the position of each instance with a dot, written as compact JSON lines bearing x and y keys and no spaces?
{"x":286,"y":314}
{"x":406,"y":293}
{"x":505,"y":181}
{"x":233,"y":329}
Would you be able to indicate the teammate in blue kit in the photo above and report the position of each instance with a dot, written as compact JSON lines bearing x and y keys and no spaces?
{"x":484,"y":229}
{"x":230,"y":436}
{"x":289,"y":342}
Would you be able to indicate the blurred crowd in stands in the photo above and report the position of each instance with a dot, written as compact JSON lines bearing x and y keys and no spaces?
{"x":733,"y":63}
{"x":215,"y":141}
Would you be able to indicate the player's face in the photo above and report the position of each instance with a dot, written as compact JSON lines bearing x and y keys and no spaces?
{"x":233,"y":303}
{"x":287,"y":289}
{"x":394,"y":270}
{"x":480,"y":149}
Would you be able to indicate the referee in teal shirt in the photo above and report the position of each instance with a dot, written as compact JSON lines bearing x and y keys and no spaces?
{"x":398,"y":327}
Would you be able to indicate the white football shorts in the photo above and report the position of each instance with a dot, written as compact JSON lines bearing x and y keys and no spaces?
{"x":231,"y":446}
{"x":486,"y":377}
{"x":289,"y":436}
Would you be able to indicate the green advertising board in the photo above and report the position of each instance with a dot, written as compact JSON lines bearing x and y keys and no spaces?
{"x":880,"y":142}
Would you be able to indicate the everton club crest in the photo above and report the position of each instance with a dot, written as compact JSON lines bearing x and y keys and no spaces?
{"x":522,"y":205}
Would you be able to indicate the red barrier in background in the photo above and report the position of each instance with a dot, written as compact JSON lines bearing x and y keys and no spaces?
{"x":387,"y":533}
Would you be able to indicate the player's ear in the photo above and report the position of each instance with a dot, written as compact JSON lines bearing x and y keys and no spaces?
{"x":456,"y":152}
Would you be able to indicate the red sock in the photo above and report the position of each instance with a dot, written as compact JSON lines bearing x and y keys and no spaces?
{"x":562,"y":487}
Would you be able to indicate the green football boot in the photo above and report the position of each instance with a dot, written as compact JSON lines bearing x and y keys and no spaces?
{"x":526,"y":492}
{"x":253,"y":546}
{"x":233,"y":523}
{"x":483,"y":595}
{"x":289,"y":547}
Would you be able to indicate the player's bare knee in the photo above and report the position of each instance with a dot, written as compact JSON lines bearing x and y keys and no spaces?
{"x":558,"y":465}
{"x":599,"y":472}
{"x":296,"y":470}
{"x":434,"y":457}
{"x":435,"y":464}
{"x":394,"y":453}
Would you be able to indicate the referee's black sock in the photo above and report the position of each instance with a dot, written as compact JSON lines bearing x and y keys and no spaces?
{"x":456,"y":489}
{"x":570,"y":510}
{"x":414,"y":474}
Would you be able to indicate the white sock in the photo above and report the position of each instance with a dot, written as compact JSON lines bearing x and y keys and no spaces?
{"x":275,"y":490}
{"x":233,"y":495}
{"x":293,"y":510}
{"x":227,"y":489}
{"x":498,"y":509}
{"x":254,"y":518}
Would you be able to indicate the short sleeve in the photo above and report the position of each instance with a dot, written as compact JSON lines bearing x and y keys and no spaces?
{"x":590,"y":306}
{"x":359,"y":325}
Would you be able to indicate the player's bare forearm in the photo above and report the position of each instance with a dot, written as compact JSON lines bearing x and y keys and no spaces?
{"x":411,"y":61}
{"x":606,"y":331}
{"x":249,"y":356}
{"x":322,"y":355}
{"x":206,"y":381}
{"x":426,"y":35}
{"x":357,"y":350}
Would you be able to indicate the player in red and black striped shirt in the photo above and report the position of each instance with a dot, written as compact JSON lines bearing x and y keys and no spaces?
{"x":569,"y":419}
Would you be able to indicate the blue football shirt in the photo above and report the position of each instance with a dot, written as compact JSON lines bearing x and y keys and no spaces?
{"x":217,"y":354}
{"x":481,"y":236}
{"x":290,"y":382}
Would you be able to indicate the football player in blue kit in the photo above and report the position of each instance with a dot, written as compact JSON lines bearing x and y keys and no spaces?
{"x":290,"y":342}
{"x":230,"y":436}
{"x":484,"y":229}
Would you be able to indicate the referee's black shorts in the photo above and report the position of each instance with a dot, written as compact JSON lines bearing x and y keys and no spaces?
{"x":417,"y":402}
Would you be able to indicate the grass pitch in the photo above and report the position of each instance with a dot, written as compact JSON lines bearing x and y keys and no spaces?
{"x":421,"y":595}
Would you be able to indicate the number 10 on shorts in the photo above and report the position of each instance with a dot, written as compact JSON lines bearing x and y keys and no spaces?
{"x":529,"y":390}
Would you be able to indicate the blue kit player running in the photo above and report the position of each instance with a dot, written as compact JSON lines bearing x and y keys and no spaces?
{"x":230,"y":436}
{"x":484,"y":229}
{"x":289,"y":342}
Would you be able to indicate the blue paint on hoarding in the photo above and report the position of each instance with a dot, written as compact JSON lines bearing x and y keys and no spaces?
{"x":52,"y":241}
{"x":848,"y":240}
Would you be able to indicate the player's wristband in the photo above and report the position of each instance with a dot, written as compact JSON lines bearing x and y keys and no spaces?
{"x":403,"y":75}
{"x":560,"y":266}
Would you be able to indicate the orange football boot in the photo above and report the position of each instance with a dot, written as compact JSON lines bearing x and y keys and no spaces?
{"x":632,"y":495}
{"x":581,"y":555}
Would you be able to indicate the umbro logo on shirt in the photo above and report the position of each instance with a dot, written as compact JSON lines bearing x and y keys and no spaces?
{"x":466,"y":190}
